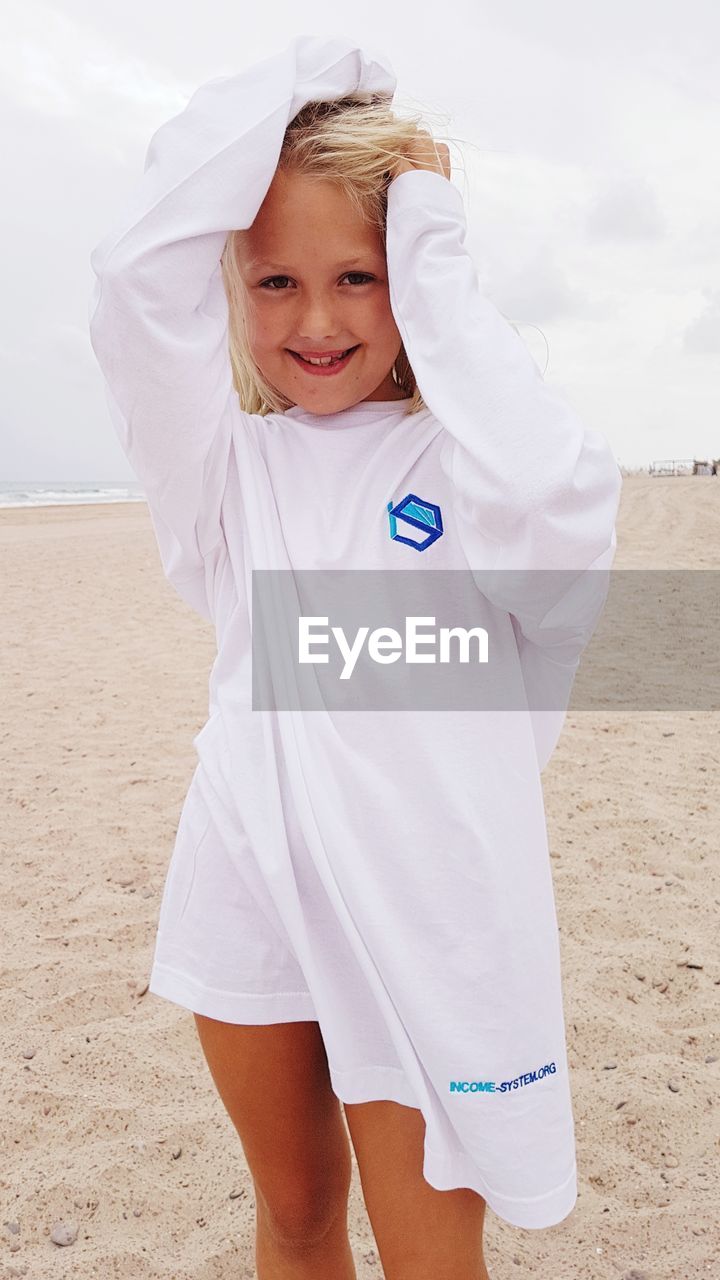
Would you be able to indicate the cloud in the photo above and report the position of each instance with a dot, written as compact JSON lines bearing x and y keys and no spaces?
{"x":627,"y":210}
{"x":702,"y":336}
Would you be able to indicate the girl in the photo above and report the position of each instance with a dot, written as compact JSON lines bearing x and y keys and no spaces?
{"x":359,"y":907}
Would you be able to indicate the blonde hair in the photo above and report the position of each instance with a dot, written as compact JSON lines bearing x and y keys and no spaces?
{"x":352,"y":141}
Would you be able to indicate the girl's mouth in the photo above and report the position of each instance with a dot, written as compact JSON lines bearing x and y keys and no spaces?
{"x":325,"y":370}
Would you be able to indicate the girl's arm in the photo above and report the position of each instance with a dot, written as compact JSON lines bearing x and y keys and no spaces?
{"x":158,"y":314}
{"x":534,"y":488}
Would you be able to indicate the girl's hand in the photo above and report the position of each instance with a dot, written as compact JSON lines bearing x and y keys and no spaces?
{"x":424,"y":153}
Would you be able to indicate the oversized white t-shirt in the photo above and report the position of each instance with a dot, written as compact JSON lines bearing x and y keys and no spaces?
{"x":426,"y":829}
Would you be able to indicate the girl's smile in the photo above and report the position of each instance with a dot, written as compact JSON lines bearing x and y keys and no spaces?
{"x":329,"y":368}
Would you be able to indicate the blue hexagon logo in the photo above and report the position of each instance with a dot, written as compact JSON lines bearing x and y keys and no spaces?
{"x":415,"y":513}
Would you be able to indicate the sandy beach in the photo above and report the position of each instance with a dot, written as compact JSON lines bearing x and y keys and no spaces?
{"x":112,"y":1124}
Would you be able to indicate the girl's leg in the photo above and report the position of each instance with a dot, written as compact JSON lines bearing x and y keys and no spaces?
{"x":421,"y":1233}
{"x":275,"y":1085}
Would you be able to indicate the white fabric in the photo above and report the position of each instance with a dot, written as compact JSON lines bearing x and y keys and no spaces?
{"x":400,"y":862}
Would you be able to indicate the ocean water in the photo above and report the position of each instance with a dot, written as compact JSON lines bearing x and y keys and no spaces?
{"x":38,"y":493}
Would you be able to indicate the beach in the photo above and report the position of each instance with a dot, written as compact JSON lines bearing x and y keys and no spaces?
{"x":112,"y":1124}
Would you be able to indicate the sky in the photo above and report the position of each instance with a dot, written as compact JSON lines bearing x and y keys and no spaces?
{"x":582,"y":137}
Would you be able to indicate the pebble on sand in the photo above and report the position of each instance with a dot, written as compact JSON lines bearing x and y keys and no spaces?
{"x":64,"y":1233}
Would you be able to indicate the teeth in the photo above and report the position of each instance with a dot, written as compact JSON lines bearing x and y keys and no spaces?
{"x":324,"y":360}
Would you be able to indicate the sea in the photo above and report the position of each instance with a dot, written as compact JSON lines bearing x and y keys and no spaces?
{"x":70,"y":493}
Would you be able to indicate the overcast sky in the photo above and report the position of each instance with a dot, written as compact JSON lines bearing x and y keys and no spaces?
{"x":588,"y":133}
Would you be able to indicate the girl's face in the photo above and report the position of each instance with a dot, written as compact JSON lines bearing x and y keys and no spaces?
{"x":315,"y":277}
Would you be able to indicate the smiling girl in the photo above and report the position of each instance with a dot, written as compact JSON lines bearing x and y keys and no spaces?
{"x":305,"y":373}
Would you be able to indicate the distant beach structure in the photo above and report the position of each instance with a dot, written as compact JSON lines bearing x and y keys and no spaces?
{"x":685,"y":467}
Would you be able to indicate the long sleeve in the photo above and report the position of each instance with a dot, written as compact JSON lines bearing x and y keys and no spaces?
{"x":533,"y":488}
{"x":158,"y":314}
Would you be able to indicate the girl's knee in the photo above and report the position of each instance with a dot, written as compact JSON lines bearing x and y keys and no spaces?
{"x":301,"y":1220}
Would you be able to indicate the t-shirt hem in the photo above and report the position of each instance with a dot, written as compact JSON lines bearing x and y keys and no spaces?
{"x":445,"y":1171}
{"x":252,"y":1008}
{"x":448,"y":1170}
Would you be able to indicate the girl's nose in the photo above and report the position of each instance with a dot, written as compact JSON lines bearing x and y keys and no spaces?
{"x":317,"y":323}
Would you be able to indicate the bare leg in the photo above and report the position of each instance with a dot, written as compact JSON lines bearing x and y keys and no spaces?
{"x":275,"y":1085}
{"x":280,"y":1255}
{"x":421,"y":1233}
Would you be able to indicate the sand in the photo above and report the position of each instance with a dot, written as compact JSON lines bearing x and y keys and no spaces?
{"x":111,"y":1121}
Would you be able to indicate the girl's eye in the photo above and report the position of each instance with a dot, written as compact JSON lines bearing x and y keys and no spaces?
{"x":265,"y":284}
